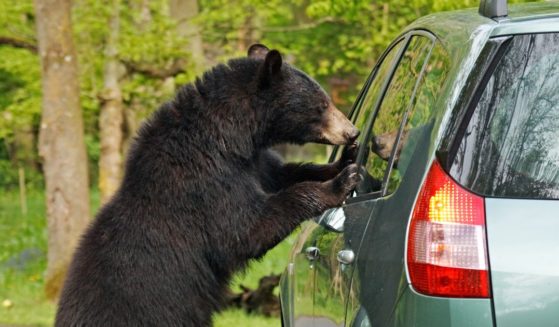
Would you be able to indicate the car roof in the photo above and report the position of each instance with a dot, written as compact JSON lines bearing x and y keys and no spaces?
{"x":532,"y":11}
{"x":530,"y":18}
{"x":457,"y":28}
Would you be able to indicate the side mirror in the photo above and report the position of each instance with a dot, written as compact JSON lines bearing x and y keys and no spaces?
{"x":333,"y":219}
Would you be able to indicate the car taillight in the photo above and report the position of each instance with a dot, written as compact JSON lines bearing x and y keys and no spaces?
{"x":447,"y":255}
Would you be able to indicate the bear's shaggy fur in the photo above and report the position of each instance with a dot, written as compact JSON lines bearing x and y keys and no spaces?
{"x":203,"y":195}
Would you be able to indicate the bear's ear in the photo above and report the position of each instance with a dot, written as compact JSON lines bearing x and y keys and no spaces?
{"x":257,"y":51}
{"x":272,"y":63}
{"x":271,"y":67}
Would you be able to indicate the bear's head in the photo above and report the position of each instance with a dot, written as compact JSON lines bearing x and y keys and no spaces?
{"x":294,"y":106}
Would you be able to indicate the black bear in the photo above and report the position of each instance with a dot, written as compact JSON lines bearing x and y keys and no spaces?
{"x":203,"y":194}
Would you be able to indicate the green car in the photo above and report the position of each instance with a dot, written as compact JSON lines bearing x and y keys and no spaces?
{"x":456,"y":222}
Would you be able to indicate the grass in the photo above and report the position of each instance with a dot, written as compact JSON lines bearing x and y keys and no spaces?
{"x":23,"y":245}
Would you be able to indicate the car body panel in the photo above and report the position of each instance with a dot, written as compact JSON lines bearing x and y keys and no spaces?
{"x":300,"y":280}
{"x":334,"y":291}
{"x":377,"y":280}
{"x":380,"y":268}
{"x":300,"y":305}
{"x":426,"y":311}
{"x":524,"y":260}
{"x":286,"y":295}
{"x":549,"y":23}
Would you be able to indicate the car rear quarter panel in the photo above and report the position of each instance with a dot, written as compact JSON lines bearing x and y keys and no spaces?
{"x":524,"y":259}
{"x":425,"y":311}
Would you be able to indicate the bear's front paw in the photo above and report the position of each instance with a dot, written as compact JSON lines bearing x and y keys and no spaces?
{"x":349,"y":155}
{"x":343,"y":184}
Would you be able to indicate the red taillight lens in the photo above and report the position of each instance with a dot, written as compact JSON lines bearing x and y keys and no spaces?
{"x":447,"y":255}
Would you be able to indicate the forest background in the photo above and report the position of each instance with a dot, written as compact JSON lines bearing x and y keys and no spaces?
{"x":115,"y":62}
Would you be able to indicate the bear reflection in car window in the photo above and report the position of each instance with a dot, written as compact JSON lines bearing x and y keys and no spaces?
{"x":400,"y":99}
{"x":418,"y":121}
{"x":387,"y":125}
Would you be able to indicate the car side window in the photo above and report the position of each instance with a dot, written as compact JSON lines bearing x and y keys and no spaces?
{"x":367,"y":101}
{"x":381,"y":138}
{"x":417,"y":117}
{"x":371,"y":96}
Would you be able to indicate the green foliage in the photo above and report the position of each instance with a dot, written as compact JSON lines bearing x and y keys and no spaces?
{"x":238,"y":317}
{"x":20,"y":90}
{"x":147,"y":37}
{"x":8,"y":175}
{"x":329,"y":39}
{"x":324,"y":38}
{"x":20,"y":96}
{"x":155,"y":42}
{"x":22,"y":260}
{"x":16,"y":18}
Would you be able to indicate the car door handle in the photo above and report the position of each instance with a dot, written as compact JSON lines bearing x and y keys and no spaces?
{"x":346,"y":257}
{"x":312,"y":253}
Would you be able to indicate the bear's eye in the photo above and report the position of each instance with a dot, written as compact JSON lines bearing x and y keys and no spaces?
{"x":324,"y":105}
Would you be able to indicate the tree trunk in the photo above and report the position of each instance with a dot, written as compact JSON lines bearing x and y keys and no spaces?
{"x":61,"y":140}
{"x":183,"y":11}
{"x":249,"y":31}
{"x":111,"y":116}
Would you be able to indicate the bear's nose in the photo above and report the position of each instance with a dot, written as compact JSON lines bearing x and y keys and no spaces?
{"x":352,"y":136}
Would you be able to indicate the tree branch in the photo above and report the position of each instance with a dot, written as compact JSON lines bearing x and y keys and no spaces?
{"x":273,"y":29}
{"x":18,"y":43}
{"x":175,"y":68}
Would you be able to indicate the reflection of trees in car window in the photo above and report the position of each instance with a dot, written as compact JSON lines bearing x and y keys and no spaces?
{"x":511,"y":146}
{"x":420,"y":109}
{"x":330,"y":287}
{"x":390,"y":114}
{"x":366,"y":108}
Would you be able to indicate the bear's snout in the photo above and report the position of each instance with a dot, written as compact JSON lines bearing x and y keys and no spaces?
{"x":352,"y":135}
{"x":337,"y":129}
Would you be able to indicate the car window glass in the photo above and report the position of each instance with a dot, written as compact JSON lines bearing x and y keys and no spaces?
{"x":380,"y":141}
{"x":375,"y":88}
{"x":511,"y":145}
{"x":420,"y":108}
{"x":365,"y":110}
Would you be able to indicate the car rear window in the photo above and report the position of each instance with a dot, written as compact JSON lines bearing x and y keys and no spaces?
{"x":511,"y":145}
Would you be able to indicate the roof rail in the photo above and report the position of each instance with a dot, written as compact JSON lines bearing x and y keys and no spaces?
{"x":493,"y":8}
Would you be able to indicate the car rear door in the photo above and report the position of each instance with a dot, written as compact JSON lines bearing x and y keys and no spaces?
{"x":337,"y":290}
{"x":509,"y":153}
{"x":379,"y":277}
{"x":340,"y":230}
